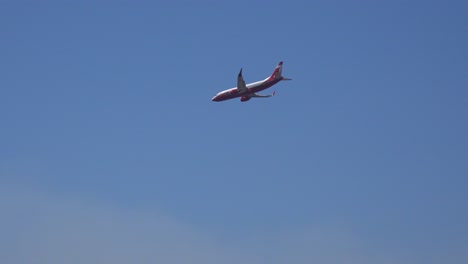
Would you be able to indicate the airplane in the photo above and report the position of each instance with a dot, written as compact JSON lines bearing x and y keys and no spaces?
{"x":247,"y":92}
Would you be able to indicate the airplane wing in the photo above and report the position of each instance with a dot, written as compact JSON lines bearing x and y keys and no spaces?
{"x":241,"y":87}
{"x":262,"y":96}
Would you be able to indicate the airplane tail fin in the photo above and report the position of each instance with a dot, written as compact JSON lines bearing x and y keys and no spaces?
{"x":278,"y":71}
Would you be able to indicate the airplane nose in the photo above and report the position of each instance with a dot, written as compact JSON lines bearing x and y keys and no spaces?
{"x":214,"y":99}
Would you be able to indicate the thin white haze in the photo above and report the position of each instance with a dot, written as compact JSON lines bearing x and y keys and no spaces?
{"x":41,"y":228}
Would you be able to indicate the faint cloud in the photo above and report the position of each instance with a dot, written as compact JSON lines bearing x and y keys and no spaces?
{"x":38,"y":227}
{"x":41,"y":228}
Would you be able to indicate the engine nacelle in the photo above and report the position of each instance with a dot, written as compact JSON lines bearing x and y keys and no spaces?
{"x":245,"y":98}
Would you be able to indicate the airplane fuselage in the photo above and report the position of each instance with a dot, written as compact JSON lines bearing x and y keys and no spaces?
{"x":248,"y":91}
{"x":251,"y":89}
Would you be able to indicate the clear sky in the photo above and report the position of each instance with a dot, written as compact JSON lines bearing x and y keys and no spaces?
{"x":112,"y":152}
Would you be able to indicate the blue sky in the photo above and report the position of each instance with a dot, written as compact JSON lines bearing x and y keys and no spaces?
{"x":109,"y":136}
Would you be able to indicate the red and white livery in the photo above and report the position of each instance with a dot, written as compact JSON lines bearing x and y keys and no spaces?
{"x":248,"y":91}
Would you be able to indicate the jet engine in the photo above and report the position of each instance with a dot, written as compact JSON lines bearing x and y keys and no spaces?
{"x":245,"y":98}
